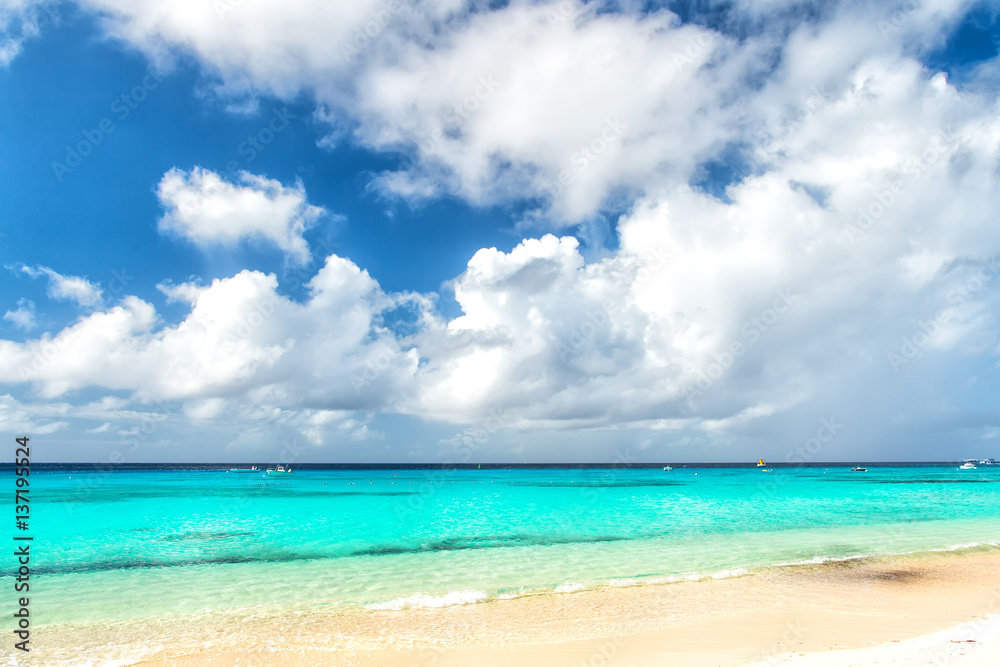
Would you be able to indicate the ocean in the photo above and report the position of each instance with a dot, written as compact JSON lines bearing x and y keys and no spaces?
{"x":175,"y":541}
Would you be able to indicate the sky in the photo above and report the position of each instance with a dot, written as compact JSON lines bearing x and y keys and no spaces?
{"x":453,"y":231}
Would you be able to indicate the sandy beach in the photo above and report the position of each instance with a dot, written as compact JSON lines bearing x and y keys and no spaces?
{"x":938,"y":608}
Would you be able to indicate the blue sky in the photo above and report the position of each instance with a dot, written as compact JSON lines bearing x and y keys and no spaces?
{"x":549,"y":231}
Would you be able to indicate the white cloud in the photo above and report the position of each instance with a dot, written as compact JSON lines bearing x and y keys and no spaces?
{"x":67,"y":288}
{"x":712,"y":316}
{"x":550,"y":101}
{"x":24,"y":316}
{"x":207,"y":210}
{"x":863,"y":226}
{"x":303,"y":38}
{"x":20,"y":20}
{"x":525,"y":102}
{"x":20,"y":419}
{"x":240,"y":338}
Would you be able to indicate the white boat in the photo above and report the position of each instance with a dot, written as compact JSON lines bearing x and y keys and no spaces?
{"x":251,"y":469}
{"x":760,"y":463}
{"x":859,"y":469}
{"x":280,"y":470}
{"x":970,"y":464}
{"x":987,"y":462}
{"x":667,"y":468}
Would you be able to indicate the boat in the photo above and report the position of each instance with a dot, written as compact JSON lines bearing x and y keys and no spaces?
{"x":252,"y":469}
{"x":280,"y":470}
{"x":859,"y":469}
{"x":987,"y":462}
{"x":667,"y":468}
{"x":970,"y":464}
{"x":760,"y":463}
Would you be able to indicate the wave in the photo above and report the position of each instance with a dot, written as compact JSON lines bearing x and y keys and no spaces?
{"x":424,"y":601}
{"x":453,"y":598}
{"x":570,"y":587}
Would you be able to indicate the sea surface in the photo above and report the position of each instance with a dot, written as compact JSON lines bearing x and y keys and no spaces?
{"x":176,"y":541}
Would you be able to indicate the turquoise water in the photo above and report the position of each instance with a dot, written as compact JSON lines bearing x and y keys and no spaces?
{"x":130,"y":544}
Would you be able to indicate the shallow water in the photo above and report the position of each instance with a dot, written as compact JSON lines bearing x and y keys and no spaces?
{"x":141,"y":543}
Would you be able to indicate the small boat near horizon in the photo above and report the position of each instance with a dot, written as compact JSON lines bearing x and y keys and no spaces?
{"x":279,"y":471}
{"x":970,"y":464}
{"x":667,"y":468}
{"x":251,"y":469}
{"x":761,"y":464}
{"x":859,"y":469}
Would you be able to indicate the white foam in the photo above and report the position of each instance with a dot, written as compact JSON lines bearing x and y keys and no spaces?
{"x":821,"y":560}
{"x":731,"y":573}
{"x":425,"y":601}
{"x":685,"y":576}
{"x":570,"y":587}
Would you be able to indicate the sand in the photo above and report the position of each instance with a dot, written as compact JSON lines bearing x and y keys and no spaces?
{"x":941,"y":609}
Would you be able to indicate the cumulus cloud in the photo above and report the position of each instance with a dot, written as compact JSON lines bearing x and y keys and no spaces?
{"x":304,"y":38}
{"x":846,"y":267}
{"x":240,"y":338}
{"x":552,"y":103}
{"x":67,"y":288}
{"x":24,"y":316}
{"x":819,"y":280}
{"x":202,"y":207}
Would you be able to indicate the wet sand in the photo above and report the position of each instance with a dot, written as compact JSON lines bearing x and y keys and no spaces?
{"x":771,"y":616}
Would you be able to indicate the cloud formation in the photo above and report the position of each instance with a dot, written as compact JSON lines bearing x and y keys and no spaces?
{"x":20,"y":20}
{"x":24,"y":316}
{"x":67,"y":288}
{"x":203,"y":208}
{"x":809,"y":225}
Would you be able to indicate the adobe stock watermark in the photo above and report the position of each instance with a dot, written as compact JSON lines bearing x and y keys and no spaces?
{"x":237,"y":503}
{"x":807,"y":451}
{"x":601,"y":316}
{"x":255,"y":143}
{"x":988,"y":268}
{"x":885,"y":199}
{"x":224,"y":7}
{"x":772,"y":655}
{"x":584,"y":156}
{"x":472,"y":438}
{"x":49,"y":350}
{"x":910,"y":346}
{"x":364,"y":35}
{"x":606,"y":651}
{"x":803,"y":452}
{"x":596,"y":318}
{"x":374,"y":367}
{"x":751,"y":330}
{"x":695,"y":48}
{"x":121,"y":107}
{"x":130,"y":440}
{"x":899,"y":17}
{"x":565,"y":12}
{"x":460,"y":112}
{"x":798,"y":116}
{"x":466,"y":443}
